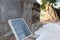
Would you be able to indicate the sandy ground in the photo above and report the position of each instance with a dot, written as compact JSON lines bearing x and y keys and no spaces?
{"x":50,"y":31}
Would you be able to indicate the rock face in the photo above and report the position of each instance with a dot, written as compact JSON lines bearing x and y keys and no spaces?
{"x":27,"y":11}
{"x":8,"y":9}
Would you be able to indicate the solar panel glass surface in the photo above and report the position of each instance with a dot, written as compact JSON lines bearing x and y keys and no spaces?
{"x":20,"y":28}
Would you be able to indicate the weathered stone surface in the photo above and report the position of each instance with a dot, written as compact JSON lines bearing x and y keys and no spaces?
{"x":27,"y":11}
{"x":8,"y":9}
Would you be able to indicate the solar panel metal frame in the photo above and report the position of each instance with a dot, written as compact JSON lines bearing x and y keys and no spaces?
{"x":10,"y":21}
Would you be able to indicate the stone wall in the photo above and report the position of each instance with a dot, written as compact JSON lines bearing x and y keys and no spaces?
{"x":27,"y":11}
{"x":9,"y":9}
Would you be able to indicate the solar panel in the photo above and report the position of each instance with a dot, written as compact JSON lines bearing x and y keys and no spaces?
{"x":19,"y":28}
